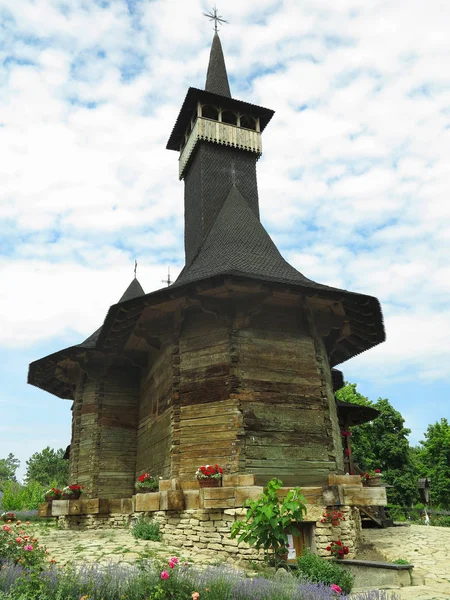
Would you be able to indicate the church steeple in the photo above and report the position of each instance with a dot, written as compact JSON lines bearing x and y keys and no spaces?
{"x":219,"y":141}
{"x":216,"y":77}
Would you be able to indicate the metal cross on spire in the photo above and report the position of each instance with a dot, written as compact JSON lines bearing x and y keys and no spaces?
{"x":213,"y":15}
{"x":135,"y":268}
{"x":168,"y":280}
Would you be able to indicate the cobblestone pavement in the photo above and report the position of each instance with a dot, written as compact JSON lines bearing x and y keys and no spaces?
{"x":104,"y":546}
{"x":427,"y":548}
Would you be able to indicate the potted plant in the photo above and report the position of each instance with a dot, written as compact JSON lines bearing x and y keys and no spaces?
{"x":8,"y":516}
{"x":372,"y":478}
{"x":72,"y":492}
{"x":332,"y":516}
{"x":337,"y":549}
{"x":53,"y":494}
{"x":209,"y":476}
{"x":146,"y":483}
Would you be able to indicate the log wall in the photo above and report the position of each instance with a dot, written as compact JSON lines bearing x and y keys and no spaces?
{"x":210,"y":421}
{"x":104,"y":433}
{"x":286,"y":398}
{"x":155,"y":432}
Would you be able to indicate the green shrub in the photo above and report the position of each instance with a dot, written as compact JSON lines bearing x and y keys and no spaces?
{"x":440,"y":521}
{"x":269,"y":519}
{"x":22,"y":497}
{"x":400,"y":561}
{"x":397,"y":512}
{"x":146,"y":529}
{"x":319,"y":570}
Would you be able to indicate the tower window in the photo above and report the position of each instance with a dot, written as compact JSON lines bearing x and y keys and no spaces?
{"x":248,"y":122}
{"x":228,"y":116}
{"x":210,"y":112}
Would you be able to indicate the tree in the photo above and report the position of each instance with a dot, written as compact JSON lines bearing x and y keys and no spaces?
{"x":8,"y":468}
{"x":383,"y":444}
{"x":48,"y":467}
{"x":434,"y":456}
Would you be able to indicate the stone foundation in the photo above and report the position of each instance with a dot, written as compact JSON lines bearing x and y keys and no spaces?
{"x":209,"y":530}
{"x":201,"y":519}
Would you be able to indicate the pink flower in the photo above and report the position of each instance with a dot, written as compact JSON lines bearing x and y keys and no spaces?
{"x":173,"y":560}
{"x":6,"y":528}
{"x":28,"y":547}
{"x":19,"y":540}
{"x":195,"y":596}
{"x":336,"y":588}
{"x":164,"y":575}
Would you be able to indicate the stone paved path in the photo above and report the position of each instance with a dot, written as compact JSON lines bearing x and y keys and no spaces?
{"x":427,"y":548}
{"x":104,"y":546}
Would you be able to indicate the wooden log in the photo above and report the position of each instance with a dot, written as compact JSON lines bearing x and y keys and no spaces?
{"x":189,"y":485}
{"x":330,"y":495}
{"x":230,"y":480}
{"x":352,"y":480}
{"x":45,"y":509}
{"x":246,"y":479}
{"x":147,"y":502}
{"x":60,"y":508}
{"x":192,"y":499}
{"x":247,"y":493}
{"x":172,"y":500}
{"x":221,"y":503}
{"x":363,"y":496}
{"x":218,"y":493}
{"x":94,"y":506}
{"x":75,"y":507}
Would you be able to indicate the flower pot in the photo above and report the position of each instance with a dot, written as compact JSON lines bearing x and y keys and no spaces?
{"x":373,"y":482}
{"x":335,"y":522}
{"x":210,"y":482}
{"x":145,"y":490}
{"x":72,"y":496}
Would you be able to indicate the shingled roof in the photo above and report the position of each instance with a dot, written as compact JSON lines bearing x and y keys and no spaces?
{"x":41,"y":373}
{"x":216,"y":77}
{"x":134,"y":290}
{"x":238,"y":244}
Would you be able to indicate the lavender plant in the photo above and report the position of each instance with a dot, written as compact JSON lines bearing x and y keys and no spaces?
{"x":171,"y":580}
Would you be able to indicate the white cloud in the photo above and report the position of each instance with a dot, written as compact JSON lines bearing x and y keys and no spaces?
{"x":354,"y":182}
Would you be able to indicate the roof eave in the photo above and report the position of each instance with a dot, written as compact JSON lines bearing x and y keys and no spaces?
{"x":174,"y":291}
{"x":195,"y":95}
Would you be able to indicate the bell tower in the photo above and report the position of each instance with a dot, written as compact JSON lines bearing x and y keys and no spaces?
{"x":219,"y":141}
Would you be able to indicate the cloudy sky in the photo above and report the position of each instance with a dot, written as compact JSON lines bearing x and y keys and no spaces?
{"x":354,"y":182}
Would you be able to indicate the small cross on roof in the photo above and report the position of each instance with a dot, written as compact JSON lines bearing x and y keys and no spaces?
{"x":213,"y":15}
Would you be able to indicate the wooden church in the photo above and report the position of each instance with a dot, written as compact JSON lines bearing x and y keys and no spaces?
{"x":232,"y":363}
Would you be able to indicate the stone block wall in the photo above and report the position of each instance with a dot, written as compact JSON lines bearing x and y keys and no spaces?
{"x":208,"y":530}
{"x":205,"y":531}
{"x":348,"y":531}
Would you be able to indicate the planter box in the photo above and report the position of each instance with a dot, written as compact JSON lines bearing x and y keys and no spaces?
{"x":370,"y":574}
{"x":363,"y":496}
{"x":147,"y":502}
